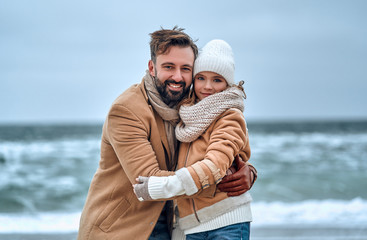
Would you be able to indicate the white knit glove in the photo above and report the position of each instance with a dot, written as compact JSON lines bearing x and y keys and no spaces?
{"x":158,"y":187}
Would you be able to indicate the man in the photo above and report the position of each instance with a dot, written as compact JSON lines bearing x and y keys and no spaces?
{"x":138,"y":140}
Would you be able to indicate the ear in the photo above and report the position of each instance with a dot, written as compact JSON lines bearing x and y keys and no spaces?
{"x":151,"y":67}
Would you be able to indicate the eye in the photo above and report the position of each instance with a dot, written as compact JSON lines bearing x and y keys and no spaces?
{"x":218,"y":80}
{"x":186,"y":69}
{"x":167,"y":67}
{"x":199,"y":78}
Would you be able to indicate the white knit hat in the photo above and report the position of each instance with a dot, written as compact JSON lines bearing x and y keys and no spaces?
{"x":216,"y":56}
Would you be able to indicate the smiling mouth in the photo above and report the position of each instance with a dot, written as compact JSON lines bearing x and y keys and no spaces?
{"x":173,"y":86}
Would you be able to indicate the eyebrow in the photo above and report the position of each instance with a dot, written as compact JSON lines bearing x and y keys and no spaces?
{"x":219,"y":76}
{"x":214,"y":76}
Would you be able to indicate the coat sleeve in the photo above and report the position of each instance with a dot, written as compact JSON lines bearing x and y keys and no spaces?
{"x":130,"y":139}
{"x":228,"y":138}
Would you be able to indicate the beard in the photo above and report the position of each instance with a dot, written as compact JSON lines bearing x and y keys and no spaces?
{"x":171,"y":98}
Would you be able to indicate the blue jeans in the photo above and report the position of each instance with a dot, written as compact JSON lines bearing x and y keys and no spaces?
{"x":232,"y":232}
{"x":160,"y":231}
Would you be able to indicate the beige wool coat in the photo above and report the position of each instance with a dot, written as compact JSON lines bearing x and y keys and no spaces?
{"x":134,"y":143}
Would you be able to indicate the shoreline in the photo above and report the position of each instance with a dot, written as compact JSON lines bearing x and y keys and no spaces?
{"x":299,"y":232}
{"x":280,"y":232}
{"x":38,"y":236}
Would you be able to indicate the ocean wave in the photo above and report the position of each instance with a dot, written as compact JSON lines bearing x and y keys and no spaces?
{"x":43,"y":175}
{"x":311,"y":212}
{"x":18,"y":151}
{"x":309,"y":144}
{"x":334,"y":212}
{"x":326,"y":150}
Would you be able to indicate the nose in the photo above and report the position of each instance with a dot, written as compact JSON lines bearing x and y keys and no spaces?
{"x":208,"y":85}
{"x":177,"y":76}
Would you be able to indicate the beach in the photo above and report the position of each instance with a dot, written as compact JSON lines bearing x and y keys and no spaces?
{"x":38,"y":236}
{"x":257,"y":233}
{"x":308,"y":233}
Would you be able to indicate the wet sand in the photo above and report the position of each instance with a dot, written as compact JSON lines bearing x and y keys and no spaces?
{"x":38,"y":236}
{"x":257,"y":233}
{"x":308,"y":233}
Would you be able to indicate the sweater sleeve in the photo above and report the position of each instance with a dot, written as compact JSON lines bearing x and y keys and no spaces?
{"x":171,"y":186}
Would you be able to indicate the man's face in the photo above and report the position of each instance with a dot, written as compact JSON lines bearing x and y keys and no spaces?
{"x":173,"y":73}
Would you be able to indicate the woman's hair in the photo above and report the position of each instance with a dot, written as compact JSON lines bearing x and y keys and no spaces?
{"x":240,"y":86}
{"x":189,"y":100}
{"x":162,"y":40}
{"x":192,"y":98}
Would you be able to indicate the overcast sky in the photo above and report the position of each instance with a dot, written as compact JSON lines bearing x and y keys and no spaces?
{"x":66,"y":60}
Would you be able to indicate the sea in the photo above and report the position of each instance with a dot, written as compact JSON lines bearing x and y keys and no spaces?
{"x":310,"y":173}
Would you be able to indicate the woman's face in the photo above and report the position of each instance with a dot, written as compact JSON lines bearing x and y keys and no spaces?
{"x":208,"y":83}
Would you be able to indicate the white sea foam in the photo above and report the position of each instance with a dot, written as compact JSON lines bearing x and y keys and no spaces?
{"x":40,"y":223}
{"x":351,"y":213}
{"x":41,"y":148}
{"x":311,"y":212}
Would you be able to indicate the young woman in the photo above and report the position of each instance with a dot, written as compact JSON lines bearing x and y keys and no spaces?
{"x":212,"y":133}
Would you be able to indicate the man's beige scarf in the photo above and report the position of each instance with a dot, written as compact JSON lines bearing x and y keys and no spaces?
{"x":195,"y":119}
{"x":168,"y":114}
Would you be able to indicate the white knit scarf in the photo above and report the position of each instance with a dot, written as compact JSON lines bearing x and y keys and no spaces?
{"x":195,"y":119}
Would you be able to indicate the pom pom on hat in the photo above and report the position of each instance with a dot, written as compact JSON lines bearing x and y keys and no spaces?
{"x":216,"y":56}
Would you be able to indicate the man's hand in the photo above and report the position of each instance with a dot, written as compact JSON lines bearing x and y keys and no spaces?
{"x":141,"y":188}
{"x":237,"y":183}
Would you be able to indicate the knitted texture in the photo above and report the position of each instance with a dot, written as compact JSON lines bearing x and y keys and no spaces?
{"x":216,"y":56}
{"x":195,"y":119}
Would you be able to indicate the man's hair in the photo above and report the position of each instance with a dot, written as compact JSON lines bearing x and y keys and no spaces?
{"x":162,"y":40}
